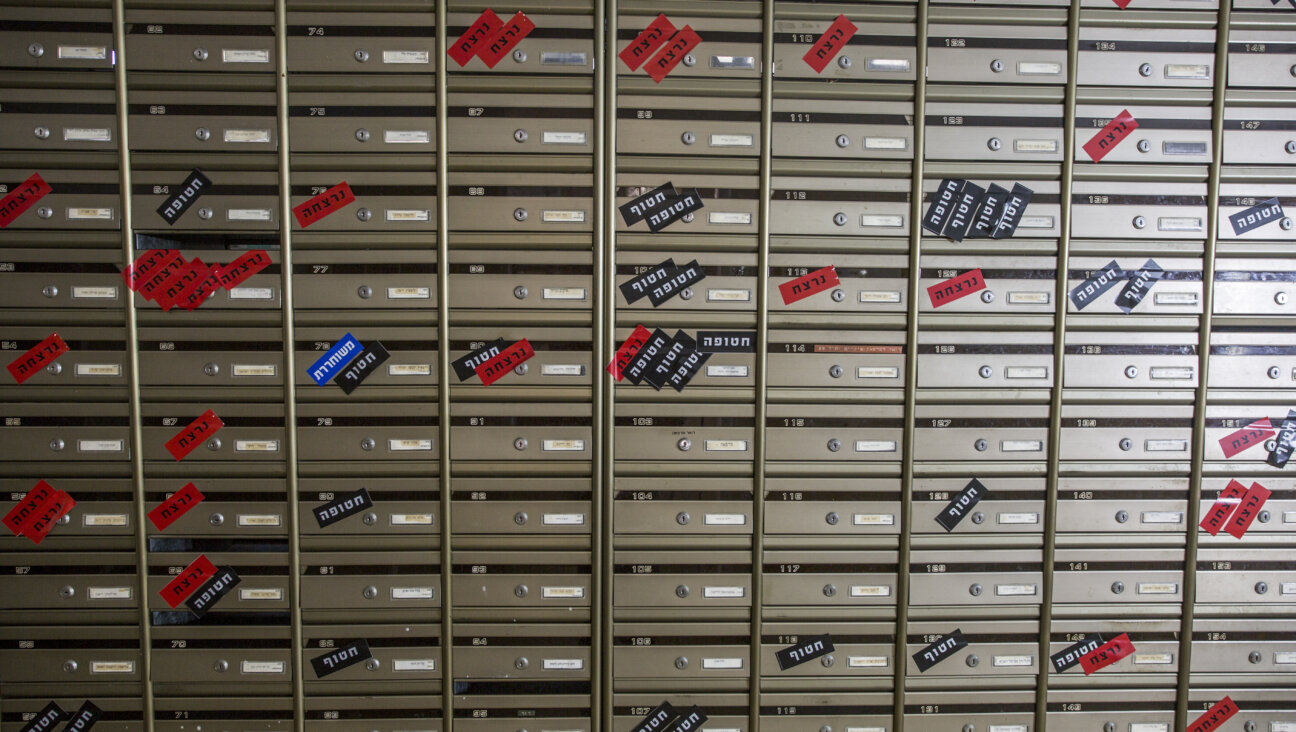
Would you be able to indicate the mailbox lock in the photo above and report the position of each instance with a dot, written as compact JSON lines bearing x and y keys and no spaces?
{"x":49,"y":291}
{"x":996,"y":66}
{"x":829,"y":590}
{"x":1250,"y":726}
{"x":1255,"y":657}
{"x":220,"y":666}
{"x":974,"y":590}
{"x":1126,"y":444}
{"x":981,"y":445}
{"x":520,"y":135}
{"x":70,"y":666}
{"x":840,"y":219}
{"x":827,"y":661}
{"x":64,"y":520}
{"x":56,"y":444}
{"x":519,"y":214}
{"x":972,"y":660}
{"x":521,"y":369}
{"x":844,"y":62}
{"x":1261,"y":588}
{"x":54,"y":368}
{"x":684,"y":444}
{"x":364,"y":291}
{"x":1270,"y":445}
{"x":36,"y":50}
{"x":834,"y":445}
{"x":520,"y":292}
{"x":1280,"y":298}
{"x":67,"y":591}
{"x":205,"y":213}
{"x":688,"y":138}
{"x":361,"y":55}
{"x":520,"y":443}
{"x":1122,"y":516}
{"x":364,"y":214}
{"x":368,"y":444}
{"x":1286,"y":223}
{"x":362,"y":135}
{"x":838,"y":295}
{"x":200,"y":53}
{"x":369,"y":592}
{"x":1117,"y":587}
{"x":985,"y":372}
{"x":682,"y":591}
{"x":969,"y":727}
{"x":681,"y":663}
{"x":682,"y":518}
{"x":987,"y":296}
{"x":216,"y":519}
{"x":1145,"y":69}
{"x":843,"y":141}
{"x":826,"y":728}
{"x":211,"y":368}
{"x":521,"y":663}
{"x":1292,"y":70}
{"x":690,"y":59}
{"x":687,"y":293}
{"x":1290,"y":147}
{"x":994,"y":143}
{"x":1131,"y":372}
{"x":520,"y":518}
{"x":44,"y":212}
{"x":1274,"y":372}
{"x":202,"y":133}
{"x":835,"y":371}
{"x":1109,"y":727}
{"x":687,"y":218}
{"x":373,"y":664}
{"x":520,"y":56}
{"x":978,"y":518}
{"x":41,"y":132}
{"x":370,"y":518}
{"x":1139,"y":222}
{"x":1263,"y":517}
{"x":520,"y":591}
{"x":832,"y":518}
{"x":1144,"y":146}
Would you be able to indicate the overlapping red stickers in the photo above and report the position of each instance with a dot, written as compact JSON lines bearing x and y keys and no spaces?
{"x":626,"y":353}
{"x":189,"y":580}
{"x":1107,"y":654}
{"x":1110,"y":136}
{"x":1219,"y":512}
{"x":334,"y":199}
{"x":494,"y":50}
{"x":167,"y":294}
{"x":21,"y":198}
{"x":810,"y":284}
{"x":25,"y":510}
{"x":507,"y":360}
{"x":1217,"y":715}
{"x":206,"y":281}
{"x":37,"y":357}
{"x":943,"y":293}
{"x":672,"y":53}
{"x":648,"y":40}
{"x":146,"y":265}
{"x":236,"y":273}
{"x":150,"y":284}
{"x":192,"y":436}
{"x":165,"y":277}
{"x":1247,"y":510}
{"x":47,"y":515}
{"x":178,"y":504}
{"x":830,"y":43}
{"x":483,"y":29}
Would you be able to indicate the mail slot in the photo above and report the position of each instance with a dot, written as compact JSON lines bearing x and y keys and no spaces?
{"x":524,"y":651}
{"x":393,"y":279}
{"x":681,"y":651}
{"x":535,"y":507}
{"x":994,"y":132}
{"x":1241,"y":358}
{"x":995,"y":648}
{"x":71,"y":581}
{"x":1265,"y":708}
{"x":405,"y":658}
{"x":178,"y":714}
{"x":96,"y":359}
{"x":403,"y":507}
{"x":518,"y":580}
{"x":987,"y":577}
{"x":361,"y":42}
{"x":235,"y":201}
{"x":1257,"y":134}
{"x":62,"y":279}
{"x":1000,"y":46}
{"x":261,"y":291}
{"x":1164,"y":134}
{"x":1138,"y":57}
{"x":1123,"y":432}
{"x":523,"y":280}
{"x":688,"y":126}
{"x":251,"y":432}
{"x":994,"y":711}
{"x":515,"y":121}
{"x":736,"y":368}
{"x":1254,"y":287}
{"x":678,"y":432}
{"x":41,"y":660}
{"x":1147,"y":504}
{"x":43,"y":119}
{"x":362,"y":432}
{"x":412,"y":361}
{"x":481,"y":707}
{"x":829,"y":578}
{"x":822,"y":358}
{"x":103,"y":517}
{"x":860,"y":649}
{"x":1260,"y":58}
{"x":728,"y":284}
{"x":232,"y":41}
{"x":247,"y":659}
{"x":985,"y":359}
{"x":787,"y":712}
{"x":1009,"y":506}
{"x":683,"y":507}
{"x":65,"y":432}
{"x":563,"y":356}
{"x":835,"y":432}
{"x":1130,"y":360}
{"x":727,"y":712}
{"x":560,"y":44}
{"x":82,"y":200}
{"x":983,"y":432}
{"x":356,"y":713}
{"x":839,"y":206}
{"x":393,"y":580}
{"x":870,"y":283}
{"x":230,"y":507}
{"x":36,"y":37}
{"x":882,"y":49}
{"x":123,"y":714}
{"x":552,"y":432}
{"x":207,"y":120}
{"x":730,"y":47}
{"x":1278,"y":513}
{"x":1118,"y":576}
{"x":1245,"y":576}
{"x":1140,"y":710}
{"x":1156,"y":647}
{"x":506,"y":202}
{"x":399,"y":117}
{"x":262,"y":567}
{"x":1012,"y":284}
{"x":844,"y":127}
{"x":832,"y":506}
{"x":730,"y":202}
{"x":211,"y":357}
{"x":1041,"y":218}
{"x":1252,"y":646}
{"x":394,"y":200}
{"x":1238,"y":197}
{"x":1177,"y":291}
{"x":664,"y":579}
{"x":1224,"y":420}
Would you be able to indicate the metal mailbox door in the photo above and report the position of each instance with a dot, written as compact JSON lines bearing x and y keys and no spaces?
{"x":994,"y":577}
{"x":664,"y":579}
{"x":361,"y":42}
{"x":1118,"y":577}
{"x":680,"y":507}
{"x":877,"y":283}
{"x":985,"y":360}
{"x":835,"y":432}
{"x":535,"y":507}
{"x":828,"y":578}
{"x":832,"y":506}
{"x":485,"y":431}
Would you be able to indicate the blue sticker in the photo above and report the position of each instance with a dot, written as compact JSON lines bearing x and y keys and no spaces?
{"x":323,"y":370}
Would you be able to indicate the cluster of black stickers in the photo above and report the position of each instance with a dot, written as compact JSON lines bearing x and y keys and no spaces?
{"x":202,"y":600}
{"x":341,"y":507}
{"x":465,"y":367}
{"x":637,"y":287}
{"x":957,"y":509}
{"x":657,"y":719}
{"x":1070,"y":656}
{"x":1258,"y":215}
{"x":666,"y":359}
{"x":805,"y":650}
{"x":174,"y":206}
{"x":339,"y":658}
{"x":661,"y":207}
{"x":988,"y":210}
{"x":726,"y":341}
{"x":85,"y":718}
{"x":679,"y":279}
{"x":961,"y":209}
{"x":689,"y":364}
{"x":1137,"y":286}
{"x":360,"y":367}
{"x":939,"y":650}
{"x":1099,"y":282}
{"x":651,"y":351}
{"x":634,"y":210}
{"x":1284,"y":442}
{"x":50,"y":716}
{"x":676,"y":209}
{"x":690,"y":720}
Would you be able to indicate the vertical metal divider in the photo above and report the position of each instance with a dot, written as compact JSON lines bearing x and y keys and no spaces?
{"x":443,"y":368}
{"x":1203,"y":364}
{"x":599,"y":383}
{"x":132,"y":357}
{"x":290,"y":365}
{"x":605,"y":311}
{"x":911,"y":366}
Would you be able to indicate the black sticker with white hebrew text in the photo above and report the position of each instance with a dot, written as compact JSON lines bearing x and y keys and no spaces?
{"x":988,"y":211}
{"x":942,"y":203}
{"x":637,"y":288}
{"x":674,"y":210}
{"x":940,"y":650}
{"x":1014,"y":208}
{"x":174,"y":207}
{"x":957,"y":509}
{"x":362,"y":367}
{"x":688,"y":367}
{"x":680,"y":346}
{"x":205,"y":597}
{"x":658,"y":718}
{"x":689,"y":721}
{"x":342,"y":506}
{"x":681,"y":278}
{"x":339,"y":658}
{"x":1098,"y":283}
{"x":48,"y":718}
{"x":965,"y":209}
{"x":1138,"y":285}
{"x":634,"y":210}
{"x":726,"y":341}
{"x":465,"y":367}
{"x":805,"y":650}
{"x":84,"y":718}
{"x":1285,"y":442}
{"x":651,"y":351}
{"x":1070,"y":656}
{"x":1258,"y":215}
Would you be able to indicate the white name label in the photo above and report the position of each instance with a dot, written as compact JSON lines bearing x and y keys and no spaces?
{"x":885,"y":143}
{"x":251,"y":293}
{"x":1021,"y":445}
{"x":1165,"y":445}
{"x":411,"y":519}
{"x":724,"y":592}
{"x":1171,"y":372}
{"x":91,"y":53}
{"x":722,"y":663}
{"x":1035,"y":146}
{"x":248,"y":214}
{"x":407,"y":214}
{"x":867,"y":661}
{"x":94,"y":293}
{"x":1014,"y":661}
{"x":409,"y":293}
{"x":1028,"y":298}
{"x":563,"y":519}
{"x":877,"y":372}
{"x":98,"y":369}
{"x":90,"y":214}
{"x":109,"y":593}
{"x":1018,"y":518}
{"x":413,"y":664}
{"x":1038,"y":68}
{"x":879,"y":296}
{"x":256,"y":446}
{"x":562,"y":138}
{"x":562,"y":369}
{"x":411,"y":593}
{"x":881,"y":221}
{"x":562,"y":293}
{"x":1026,"y":372}
{"x":724,"y":519}
{"x":563,"y":217}
{"x":409,"y":369}
{"x":1014,"y":590}
{"x":259,"y":519}
{"x":722,"y":295}
{"x":253,"y":369}
{"x":405,"y":57}
{"x":723,"y":140}
{"x":562,"y":445}
{"x":870,"y":591}
{"x":103,"y":519}
{"x":262,"y":667}
{"x":403,"y":137}
{"x":99,"y":445}
{"x":1157,"y":588}
{"x":875,"y":446}
{"x":87,"y":134}
{"x":726,"y":445}
{"x":1155,"y":659}
{"x":562,"y":592}
{"x":729,"y":217}
{"x":395,"y":445}
{"x":247,"y":135}
{"x":245,"y":56}
{"x":563,"y":664}
{"x":112,"y":667}
{"x":254,"y":594}
{"x":1162,"y":517}
{"x":722,"y":371}
{"x":873,"y":519}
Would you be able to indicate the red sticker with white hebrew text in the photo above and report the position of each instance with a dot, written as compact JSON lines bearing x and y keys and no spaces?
{"x":507,"y":360}
{"x":1110,"y":136}
{"x":1107,"y":654}
{"x":167,"y":512}
{"x":24,"y":195}
{"x":308,"y":212}
{"x":946,"y":292}
{"x":38,"y":357}
{"x":649,"y":40}
{"x":810,"y":284}
{"x":672,"y":53}
{"x":830,"y":43}
{"x":192,"y":436}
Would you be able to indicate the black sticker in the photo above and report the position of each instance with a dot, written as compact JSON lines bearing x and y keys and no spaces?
{"x":680,"y":278}
{"x":940,"y":650}
{"x":45,"y":721}
{"x":348,"y":655}
{"x":680,"y":346}
{"x":657,"y":343}
{"x":955,"y":510}
{"x":637,"y":288}
{"x":989,"y":210}
{"x":174,"y":207}
{"x":1013,"y":209}
{"x":661,"y":715}
{"x":209,"y":594}
{"x":465,"y":367}
{"x":84,"y":718}
{"x":676,"y":208}
{"x":965,"y":209}
{"x":1284,"y":442}
{"x":941,"y":205}
{"x":1099,"y":282}
{"x":1070,"y":656}
{"x":341,"y":507}
{"x":687,"y":369}
{"x":1137,"y":286}
{"x":689,"y":721}
{"x":634,"y":210}
{"x":1258,"y":215}
{"x":726,"y":341}
{"x":362,"y":367}
{"x":806,"y":650}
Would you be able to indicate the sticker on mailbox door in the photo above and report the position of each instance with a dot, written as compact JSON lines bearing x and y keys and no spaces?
{"x":24,"y":196}
{"x":939,"y":650}
{"x":38,"y":357}
{"x":804,"y":650}
{"x":830,"y":43}
{"x":467,"y":45}
{"x":46,"y":720}
{"x":348,"y":655}
{"x":1258,"y":215}
{"x":178,"y":504}
{"x":1110,"y":136}
{"x":649,"y":40}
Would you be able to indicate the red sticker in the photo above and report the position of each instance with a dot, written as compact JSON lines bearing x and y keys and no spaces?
{"x":807,"y":285}
{"x":38,"y":357}
{"x":188,"y":581}
{"x":508,"y":359}
{"x":236,"y":273}
{"x":168,"y":293}
{"x":54,"y":508}
{"x":192,"y":436}
{"x":197,"y":293}
{"x":672,"y":53}
{"x":642,"y":47}
{"x":482,"y":29}
{"x":952,"y":289}
{"x":145,"y":265}
{"x":1247,"y":510}
{"x":27,"y":193}
{"x":1111,"y":135}
{"x":1228,"y":500}
{"x":25,"y":510}
{"x":308,"y":212}
{"x":494,"y":50}
{"x":160,"y":275}
{"x":1121,"y":3}
{"x":1107,"y":654}
{"x":165,"y":513}
{"x":1215,"y":716}
{"x":1247,"y":437}
{"x":830,"y":43}
{"x":626,"y":353}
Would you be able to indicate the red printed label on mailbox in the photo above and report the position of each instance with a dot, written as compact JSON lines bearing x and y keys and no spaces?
{"x":151,"y":284}
{"x":38,"y":357}
{"x":1217,"y":715}
{"x":1247,"y":510}
{"x":167,"y":293}
{"x":508,"y":359}
{"x":672,"y":53}
{"x":49,"y":512}
{"x":830,"y":43}
{"x":165,"y":513}
{"x":23,"y":196}
{"x":197,"y":292}
{"x":192,"y":436}
{"x":23,"y":513}
{"x":482,"y":29}
{"x":1214,"y":519}
{"x":627,"y":351}
{"x":954,"y":288}
{"x":1253,"y":434}
{"x":308,"y":212}
{"x":188,"y":581}
{"x":517,"y":28}
{"x":235,"y":273}
{"x":1111,"y":135}
{"x":807,"y":285}
{"x":1121,"y":3}
{"x":1107,"y":654}
{"x":137,"y":272}
{"x":642,"y":47}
